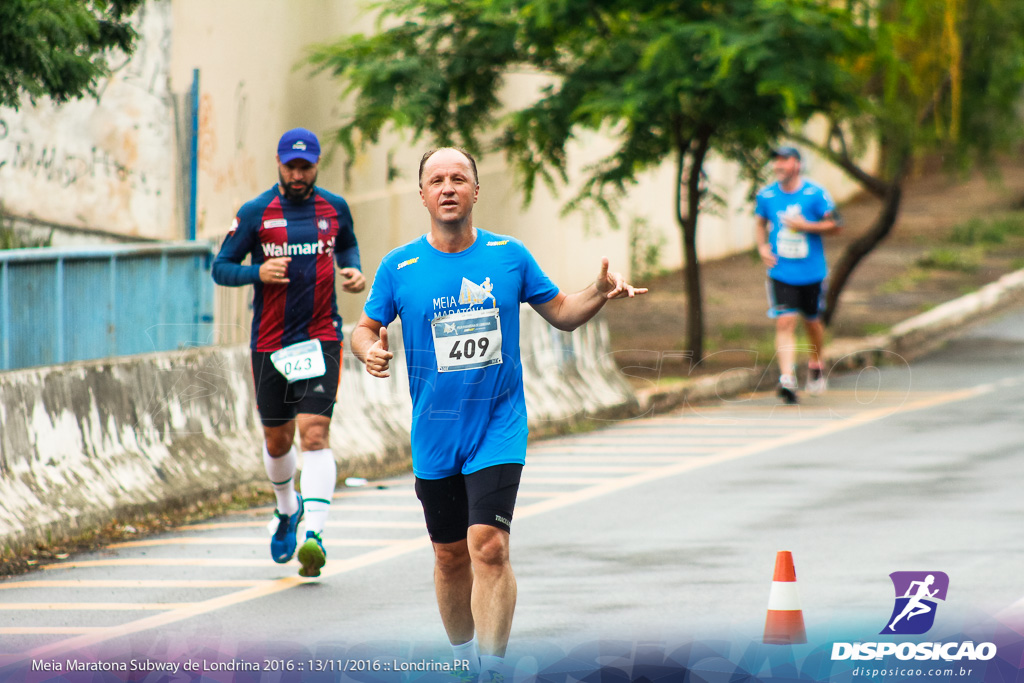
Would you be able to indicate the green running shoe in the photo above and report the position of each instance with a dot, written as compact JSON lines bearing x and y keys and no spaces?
{"x":312,"y":555}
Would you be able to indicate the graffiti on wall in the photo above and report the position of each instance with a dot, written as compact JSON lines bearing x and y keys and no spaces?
{"x":104,"y":163}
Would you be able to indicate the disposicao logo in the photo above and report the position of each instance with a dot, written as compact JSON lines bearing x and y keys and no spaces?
{"x":917,"y":597}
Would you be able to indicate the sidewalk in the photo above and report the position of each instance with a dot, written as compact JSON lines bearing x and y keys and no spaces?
{"x":907,"y":340}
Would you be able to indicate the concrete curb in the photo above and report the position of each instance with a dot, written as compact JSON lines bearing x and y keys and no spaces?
{"x":906,"y":340}
{"x":88,"y":443}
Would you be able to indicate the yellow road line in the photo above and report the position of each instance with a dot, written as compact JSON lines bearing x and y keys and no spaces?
{"x":687,"y":429}
{"x":356,"y":506}
{"x":161,"y":562}
{"x":422,"y":543}
{"x":539,"y":494}
{"x":92,"y":606}
{"x":369,"y":524}
{"x":539,"y":459}
{"x":371,"y":491}
{"x":583,"y":467}
{"x":223,"y":601}
{"x":134,"y":583}
{"x":48,"y":630}
{"x":609,"y":449}
{"x":705,"y":436}
{"x":572,"y":481}
{"x":245,"y":540}
{"x":742,"y":451}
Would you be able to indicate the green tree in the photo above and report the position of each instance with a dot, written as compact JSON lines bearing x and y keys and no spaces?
{"x":945,"y":78}
{"x":667,"y":80}
{"x":59,"y":48}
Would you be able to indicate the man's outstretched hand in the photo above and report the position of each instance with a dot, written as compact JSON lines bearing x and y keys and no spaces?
{"x":613,"y":285}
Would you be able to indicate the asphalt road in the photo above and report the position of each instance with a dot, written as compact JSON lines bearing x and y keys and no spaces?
{"x":651,"y":530}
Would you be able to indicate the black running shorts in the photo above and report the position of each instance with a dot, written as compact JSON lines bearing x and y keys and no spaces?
{"x":453,"y":504}
{"x":784,"y":299}
{"x":279,"y":402}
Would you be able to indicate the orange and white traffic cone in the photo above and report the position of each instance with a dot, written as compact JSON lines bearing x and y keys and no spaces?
{"x":785,"y":622}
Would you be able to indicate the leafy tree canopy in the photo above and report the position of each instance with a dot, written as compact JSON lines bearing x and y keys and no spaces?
{"x":656,"y":74}
{"x":665,"y":79}
{"x":59,"y":48}
{"x":942,"y":78}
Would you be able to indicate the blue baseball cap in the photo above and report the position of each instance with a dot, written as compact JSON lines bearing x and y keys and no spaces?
{"x":299,"y":143}
{"x":786,"y":152}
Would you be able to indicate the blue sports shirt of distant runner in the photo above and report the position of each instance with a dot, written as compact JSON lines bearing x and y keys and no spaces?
{"x":801,"y":257}
{"x":315,"y":232}
{"x":466,"y":380}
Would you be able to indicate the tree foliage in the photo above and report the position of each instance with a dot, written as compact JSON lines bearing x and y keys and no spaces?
{"x":59,"y":48}
{"x":943,"y":78}
{"x":665,"y":79}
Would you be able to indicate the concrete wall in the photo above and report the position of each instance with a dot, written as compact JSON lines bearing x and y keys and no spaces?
{"x":86,"y":443}
{"x":106,"y":163}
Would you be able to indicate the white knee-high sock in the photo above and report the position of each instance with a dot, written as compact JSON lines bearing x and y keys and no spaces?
{"x":281,"y":472}
{"x":319,"y":475}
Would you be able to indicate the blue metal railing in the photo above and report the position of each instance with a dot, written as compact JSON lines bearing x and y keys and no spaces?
{"x":59,"y":305}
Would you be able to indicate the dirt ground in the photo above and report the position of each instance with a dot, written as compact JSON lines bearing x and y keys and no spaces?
{"x":892,"y":284}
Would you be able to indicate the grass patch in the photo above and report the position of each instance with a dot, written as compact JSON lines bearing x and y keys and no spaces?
{"x":871,"y":329}
{"x":988,"y":231}
{"x":738,"y":332}
{"x":743,"y":338}
{"x":905,"y":282}
{"x":964,"y":290}
{"x":12,"y":239}
{"x":957,"y":260}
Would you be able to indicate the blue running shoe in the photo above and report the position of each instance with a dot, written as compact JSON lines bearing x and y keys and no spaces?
{"x":312,"y":555}
{"x":282,"y":545}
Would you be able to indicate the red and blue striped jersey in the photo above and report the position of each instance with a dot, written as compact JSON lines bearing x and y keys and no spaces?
{"x":315,"y":233}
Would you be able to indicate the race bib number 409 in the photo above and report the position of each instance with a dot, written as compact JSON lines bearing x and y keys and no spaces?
{"x":468,"y":340}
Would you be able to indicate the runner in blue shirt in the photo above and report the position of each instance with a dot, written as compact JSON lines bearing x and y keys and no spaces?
{"x":294,"y":234}
{"x":458,"y":291}
{"x":792,"y":216}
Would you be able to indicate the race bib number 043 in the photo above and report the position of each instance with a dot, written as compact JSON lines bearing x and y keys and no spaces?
{"x":468,"y":340}
{"x":300,"y":361}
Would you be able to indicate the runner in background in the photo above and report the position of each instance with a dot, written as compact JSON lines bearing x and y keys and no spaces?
{"x":294,"y":233}
{"x":793,"y":214}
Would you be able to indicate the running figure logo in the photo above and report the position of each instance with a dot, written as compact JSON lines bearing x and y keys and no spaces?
{"x":474,"y":294}
{"x":916,"y":596}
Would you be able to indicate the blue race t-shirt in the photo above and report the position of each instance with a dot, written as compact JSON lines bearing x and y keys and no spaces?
{"x":460,"y":328}
{"x":801,"y":256}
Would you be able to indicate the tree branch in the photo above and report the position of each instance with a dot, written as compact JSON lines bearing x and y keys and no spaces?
{"x":873,"y":184}
{"x":933,"y":103}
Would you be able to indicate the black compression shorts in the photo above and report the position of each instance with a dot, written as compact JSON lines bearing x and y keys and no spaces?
{"x":453,"y":504}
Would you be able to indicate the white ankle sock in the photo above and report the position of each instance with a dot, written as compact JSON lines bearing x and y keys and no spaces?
{"x":491,"y":663}
{"x":468,"y":652}
{"x":281,"y":472}
{"x":319,"y":476}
